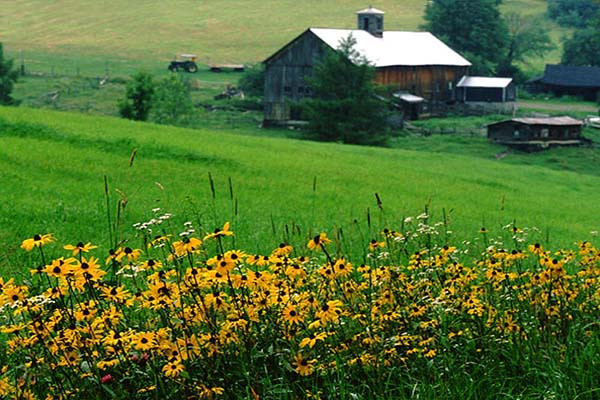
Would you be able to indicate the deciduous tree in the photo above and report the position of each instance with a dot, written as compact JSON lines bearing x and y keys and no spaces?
{"x":474,"y":28}
{"x":172,"y":103}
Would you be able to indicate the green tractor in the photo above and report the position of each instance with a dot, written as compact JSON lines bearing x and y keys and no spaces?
{"x":186,"y":63}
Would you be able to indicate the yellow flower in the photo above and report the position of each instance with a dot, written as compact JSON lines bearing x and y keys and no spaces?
{"x":80,"y":247}
{"x":303,"y":367}
{"x":172,"y":369}
{"x":220,"y":232}
{"x":144,"y":341}
{"x":292,"y":315}
{"x":318,"y":241}
{"x":37,"y":241}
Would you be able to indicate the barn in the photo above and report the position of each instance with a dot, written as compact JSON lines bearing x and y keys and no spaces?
{"x":412,"y":62}
{"x":473,"y":89}
{"x":537,"y":133}
{"x":572,"y":80}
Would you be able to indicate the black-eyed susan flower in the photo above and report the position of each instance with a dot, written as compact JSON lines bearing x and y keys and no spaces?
{"x":144,"y":341}
{"x":219,"y":232}
{"x":291,"y":314}
{"x":117,"y":294}
{"x":303,"y":366}
{"x":80,"y":248}
{"x":318,"y":241}
{"x":172,"y":369}
{"x":36,"y":241}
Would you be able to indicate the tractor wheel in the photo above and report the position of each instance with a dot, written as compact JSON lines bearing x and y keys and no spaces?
{"x":192,"y":68}
{"x":173,"y":68}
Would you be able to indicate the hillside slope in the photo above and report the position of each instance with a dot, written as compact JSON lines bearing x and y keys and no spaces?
{"x":232,"y":31}
{"x":52,"y":168}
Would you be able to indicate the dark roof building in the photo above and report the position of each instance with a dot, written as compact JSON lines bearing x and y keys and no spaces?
{"x":414,"y":62}
{"x":537,"y":133}
{"x":570,"y":80}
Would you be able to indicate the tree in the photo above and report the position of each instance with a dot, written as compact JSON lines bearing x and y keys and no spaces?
{"x":172,"y":103}
{"x":583,"y":48}
{"x":526,"y":37}
{"x":252,"y":83}
{"x":474,"y":28}
{"x":138,"y":97}
{"x":572,"y":13}
{"x":8,"y":77}
{"x":344,"y":107}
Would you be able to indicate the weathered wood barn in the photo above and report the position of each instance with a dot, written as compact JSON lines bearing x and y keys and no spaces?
{"x":568,"y":80}
{"x":484,"y":89}
{"x":537,"y":133}
{"x":412,"y":62}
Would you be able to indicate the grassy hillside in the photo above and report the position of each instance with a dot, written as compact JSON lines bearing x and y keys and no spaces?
{"x":94,"y":37}
{"x":52,"y":168}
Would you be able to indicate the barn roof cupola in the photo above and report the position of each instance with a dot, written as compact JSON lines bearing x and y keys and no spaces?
{"x":371,"y":20}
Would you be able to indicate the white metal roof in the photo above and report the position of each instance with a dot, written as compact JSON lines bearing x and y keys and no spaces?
{"x":370,"y":10}
{"x":395,"y":47}
{"x":483,"y":81}
{"x":409,"y":98}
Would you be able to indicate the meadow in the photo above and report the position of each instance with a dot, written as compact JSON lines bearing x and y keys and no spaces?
{"x":270,"y":189}
{"x":103,"y":38}
{"x":230,"y":261}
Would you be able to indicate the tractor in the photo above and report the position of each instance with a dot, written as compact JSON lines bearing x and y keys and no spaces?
{"x":186,"y":63}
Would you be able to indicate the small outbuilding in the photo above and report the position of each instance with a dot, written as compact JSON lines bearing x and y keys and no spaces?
{"x":571,"y":80}
{"x":537,"y":133}
{"x":485,"y":89}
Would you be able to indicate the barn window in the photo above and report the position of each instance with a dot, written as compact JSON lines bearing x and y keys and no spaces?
{"x":545,"y":132}
{"x":366,"y":24}
{"x":379,"y":24}
{"x":516,"y":134}
{"x":450,"y":85}
{"x":287,"y":90}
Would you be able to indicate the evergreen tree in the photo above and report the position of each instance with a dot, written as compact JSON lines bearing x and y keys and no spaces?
{"x":8,"y":77}
{"x":344,"y":106}
{"x":474,"y":28}
{"x":138,"y":97}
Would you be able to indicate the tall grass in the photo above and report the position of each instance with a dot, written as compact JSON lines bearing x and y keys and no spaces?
{"x":53,"y":167}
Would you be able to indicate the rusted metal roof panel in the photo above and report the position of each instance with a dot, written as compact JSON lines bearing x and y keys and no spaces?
{"x":551,"y":121}
{"x":558,"y":121}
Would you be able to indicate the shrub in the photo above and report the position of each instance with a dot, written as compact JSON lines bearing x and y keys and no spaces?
{"x":138,"y":97}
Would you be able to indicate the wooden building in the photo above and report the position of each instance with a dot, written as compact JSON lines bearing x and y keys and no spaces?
{"x":571,"y":80}
{"x":413,"y":62}
{"x":476,"y":89}
{"x":537,"y":133}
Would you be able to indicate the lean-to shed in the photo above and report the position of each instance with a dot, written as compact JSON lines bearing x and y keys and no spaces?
{"x":537,"y":133}
{"x":413,"y":62}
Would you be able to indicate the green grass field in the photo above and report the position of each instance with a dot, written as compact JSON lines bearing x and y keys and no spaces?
{"x":96,"y":38}
{"x":53,"y":166}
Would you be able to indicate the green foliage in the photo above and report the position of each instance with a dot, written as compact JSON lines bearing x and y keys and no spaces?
{"x":583,"y":48}
{"x":526,"y":37}
{"x":252,"y":83}
{"x":8,"y":77}
{"x":474,"y":28}
{"x":138,"y":97}
{"x":344,"y":107}
{"x":172,"y":103}
{"x":572,"y":13}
